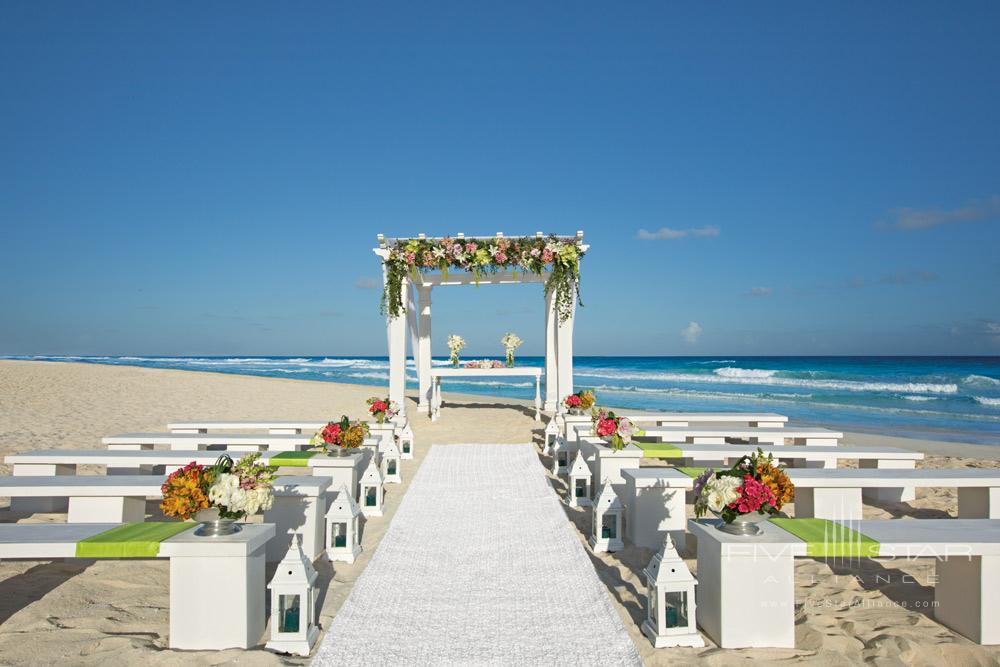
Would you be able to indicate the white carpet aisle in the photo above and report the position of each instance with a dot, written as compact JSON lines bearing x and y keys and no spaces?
{"x":480,"y":566}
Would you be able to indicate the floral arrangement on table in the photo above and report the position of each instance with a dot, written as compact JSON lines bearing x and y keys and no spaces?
{"x":455,"y":344}
{"x":618,"y":431}
{"x":382,"y":409}
{"x":580,"y":401}
{"x":754,"y":485}
{"x":530,"y":254}
{"x":235,"y":489}
{"x":335,"y":437}
{"x":510,"y":342}
{"x":484,"y":363}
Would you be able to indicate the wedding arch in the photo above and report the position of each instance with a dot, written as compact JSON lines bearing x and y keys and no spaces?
{"x":412,"y":267}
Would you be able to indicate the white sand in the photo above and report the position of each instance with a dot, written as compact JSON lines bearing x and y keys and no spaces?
{"x":82,"y":614}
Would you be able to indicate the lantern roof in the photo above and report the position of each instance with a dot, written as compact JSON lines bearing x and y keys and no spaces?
{"x":667,"y":566}
{"x":295,"y":569}
{"x":388,"y":446}
{"x":372,"y":474}
{"x":607,"y":499}
{"x":579,"y":468}
{"x":344,"y":505}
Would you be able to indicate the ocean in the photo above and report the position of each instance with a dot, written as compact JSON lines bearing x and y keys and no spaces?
{"x":944,"y":398}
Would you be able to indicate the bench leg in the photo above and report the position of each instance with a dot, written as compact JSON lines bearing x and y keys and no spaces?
{"x":893,"y":495}
{"x":745,"y":600}
{"x":979,"y":503}
{"x":828,"y":503}
{"x":233,"y":617}
{"x":106,"y":510}
{"x":965,"y":597}
{"x":37,"y":505}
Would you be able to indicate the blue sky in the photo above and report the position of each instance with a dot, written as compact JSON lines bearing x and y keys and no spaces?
{"x":774,"y":178}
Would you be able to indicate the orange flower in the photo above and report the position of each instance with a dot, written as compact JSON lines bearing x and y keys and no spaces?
{"x":775,"y":478}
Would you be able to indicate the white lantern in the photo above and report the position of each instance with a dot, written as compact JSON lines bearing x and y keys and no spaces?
{"x":391,"y":473}
{"x":371,"y":490}
{"x":606,"y":526}
{"x":579,"y":483}
{"x":293,"y":603}
{"x":552,"y":431}
{"x":560,"y":456}
{"x":343,"y":540}
{"x":670,"y":618}
{"x":406,"y":441}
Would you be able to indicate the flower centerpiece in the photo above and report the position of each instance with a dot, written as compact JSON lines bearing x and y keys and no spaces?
{"x":382,"y":409}
{"x":220,"y":494}
{"x":580,"y":401}
{"x":336,"y":437}
{"x":753,"y":490}
{"x":558,"y":255}
{"x":455,"y":344}
{"x":616,"y":431}
{"x":510,"y":342}
{"x":484,"y":363}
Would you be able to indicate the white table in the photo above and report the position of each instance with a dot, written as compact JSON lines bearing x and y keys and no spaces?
{"x":438,"y":373}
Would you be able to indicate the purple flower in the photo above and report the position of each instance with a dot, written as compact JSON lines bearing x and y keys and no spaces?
{"x":700,"y":481}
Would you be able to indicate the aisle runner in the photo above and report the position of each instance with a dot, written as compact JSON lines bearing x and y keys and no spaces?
{"x":479,"y":566}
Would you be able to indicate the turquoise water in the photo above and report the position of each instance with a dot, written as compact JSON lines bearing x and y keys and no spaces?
{"x":951,"y":398}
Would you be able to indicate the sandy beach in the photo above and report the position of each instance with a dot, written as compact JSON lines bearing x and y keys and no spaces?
{"x":84,"y":613}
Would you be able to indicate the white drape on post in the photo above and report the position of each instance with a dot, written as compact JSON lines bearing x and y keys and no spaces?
{"x":397,"y":353}
{"x":552,"y":390}
{"x":423,"y":347}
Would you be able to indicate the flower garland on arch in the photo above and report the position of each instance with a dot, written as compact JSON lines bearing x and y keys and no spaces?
{"x":527,"y":254}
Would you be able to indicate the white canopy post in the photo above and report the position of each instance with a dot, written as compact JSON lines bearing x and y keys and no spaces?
{"x":397,"y":354}
{"x":552,"y":390}
{"x":423,"y":348}
{"x":564,"y":351}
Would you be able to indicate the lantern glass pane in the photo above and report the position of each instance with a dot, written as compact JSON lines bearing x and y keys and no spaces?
{"x":581,"y":488}
{"x":406,"y":447}
{"x":370,"y":492}
{"x":288,"y":613}
{"x":339,"y":537}
{"x":609,"y":528}
{"x":390,"y":466}
{"x":562,"y":458}
{"x":652,"y":596}
{"x":676,"y":609}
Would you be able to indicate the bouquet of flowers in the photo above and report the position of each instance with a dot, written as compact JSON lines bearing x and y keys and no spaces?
{"x":338,"y":436}
{"x":455,"y":344}
{"x":618,"y":431}
{"x":235,"y":489}
{"x":581,"y":400}
{"x":510,"y":342}
{"x":484,"y":363}
{"x":754,"y":485}
{"x":382,"y":409}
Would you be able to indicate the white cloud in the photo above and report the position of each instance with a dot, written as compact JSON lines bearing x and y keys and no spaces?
{"x":668,"y":234}
{"x":760,"y":291}
{"x":691,"y":332}
{"x":909,"y":219}
{"x":366,"y":282}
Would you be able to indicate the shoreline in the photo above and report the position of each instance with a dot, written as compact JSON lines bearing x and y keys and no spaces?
{"x":928,"y":446}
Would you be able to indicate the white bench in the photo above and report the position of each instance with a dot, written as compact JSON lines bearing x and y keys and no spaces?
{"x":814,"y":437}
{"x":299,"y":507}
{"x":191,"y":442}
{"x":229,"y":569}
{"x":562,"y":421}
{"x":400,"y":428}
{"x":836,"y":494}
{"x":342,"y":470}
{"x":759,"y":611}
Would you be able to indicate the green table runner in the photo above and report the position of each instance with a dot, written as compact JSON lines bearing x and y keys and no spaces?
{"x":292,"y":459}
{"x":659,"y":450}
{"x":825,"y":538}
{"x":693,"y":472}
{"x":130,"y":540}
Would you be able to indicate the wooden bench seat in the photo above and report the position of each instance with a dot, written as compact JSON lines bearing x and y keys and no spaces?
{"x":230,"y":568}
